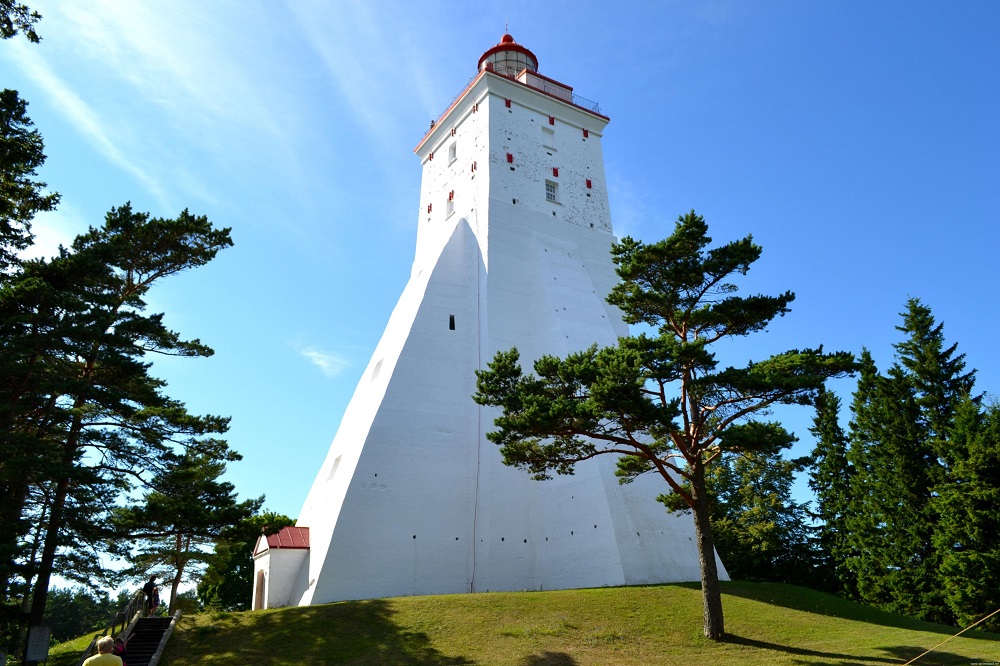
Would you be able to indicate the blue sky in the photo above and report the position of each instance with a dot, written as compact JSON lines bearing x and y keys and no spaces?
{"x":858,"y":142}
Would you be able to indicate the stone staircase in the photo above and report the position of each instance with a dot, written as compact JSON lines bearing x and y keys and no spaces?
{"x":146,"y":636}
{"x":145,"y":640}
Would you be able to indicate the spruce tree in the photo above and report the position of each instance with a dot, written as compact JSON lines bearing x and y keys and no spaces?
{"x":830,"y":478}
{"x":968,"y":512}
{"x":902,"y":450}
{"x":890,"y":524}
{"x":938,"y":375}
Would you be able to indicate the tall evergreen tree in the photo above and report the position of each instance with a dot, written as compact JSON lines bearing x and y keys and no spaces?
{"x":830,"y":478}
{"x":890,"y":525}
{"x":968,"y":509}
{"x":901,"y":449}
{"x":938,"y":375}
{"x":621,"y":400}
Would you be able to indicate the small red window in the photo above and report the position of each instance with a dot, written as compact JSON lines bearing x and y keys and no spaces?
{"x":586,"y":133}
{"x":555,"y":172}
{"x":589,"y":185}
{"x":429,"y":207}
{"x":473,"y":166}
{"x":507,"y":102}
{"x":431,"y":156}
{"x":453,"y":131}
{"x":451,"y":195}
{"x":475,"y":107}
{"x":552,"y":120}
{"x":510,"y":158}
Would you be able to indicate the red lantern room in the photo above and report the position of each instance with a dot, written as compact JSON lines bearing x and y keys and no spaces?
{"x":508,"y":58}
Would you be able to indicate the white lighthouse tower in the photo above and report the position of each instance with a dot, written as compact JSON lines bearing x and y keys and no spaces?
{"x":513,"y":240}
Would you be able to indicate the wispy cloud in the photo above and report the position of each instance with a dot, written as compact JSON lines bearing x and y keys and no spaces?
{"x":364,"y":47}
{"x":330,"y":364}
{"x":186,"y":60}
{"x":168,"y":92}
{"x":85,"y":118}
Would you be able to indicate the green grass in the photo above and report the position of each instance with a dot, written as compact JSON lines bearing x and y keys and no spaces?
{"x":765,"y":623}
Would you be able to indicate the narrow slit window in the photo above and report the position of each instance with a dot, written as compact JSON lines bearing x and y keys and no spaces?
{"x":333,"y":471}
{"x":451,"y":322}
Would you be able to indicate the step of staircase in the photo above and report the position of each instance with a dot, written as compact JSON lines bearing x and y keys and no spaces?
{"x":145,"y":639}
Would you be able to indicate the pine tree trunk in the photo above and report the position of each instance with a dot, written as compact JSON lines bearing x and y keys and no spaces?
{"x":179,"y":546}
{"x":711,"y":593}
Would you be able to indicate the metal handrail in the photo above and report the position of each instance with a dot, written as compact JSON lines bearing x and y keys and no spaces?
{"x":121,"y":617}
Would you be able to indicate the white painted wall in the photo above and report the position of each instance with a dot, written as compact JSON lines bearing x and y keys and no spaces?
{"x":412,"y":498}
{"x":280,"y":567}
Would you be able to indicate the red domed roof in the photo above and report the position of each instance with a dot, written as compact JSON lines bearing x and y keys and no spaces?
{"x":507,"y":43}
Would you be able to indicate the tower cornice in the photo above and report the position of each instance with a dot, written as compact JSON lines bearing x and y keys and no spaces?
{"x":536,"y":89}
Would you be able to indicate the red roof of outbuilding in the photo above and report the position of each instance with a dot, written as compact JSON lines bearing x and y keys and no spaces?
{"x":289,"y":537}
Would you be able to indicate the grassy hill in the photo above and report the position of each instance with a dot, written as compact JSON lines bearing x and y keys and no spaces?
{"x":766,"y":623}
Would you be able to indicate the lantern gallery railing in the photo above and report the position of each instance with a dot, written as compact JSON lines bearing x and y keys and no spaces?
{"x":532,"y":80}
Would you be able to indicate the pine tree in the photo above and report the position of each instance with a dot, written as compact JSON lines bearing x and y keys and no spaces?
{"x":82,"y":417}
{"x":189,"y":510}
{"x":21,"y":193}
{"x":621,"y":400}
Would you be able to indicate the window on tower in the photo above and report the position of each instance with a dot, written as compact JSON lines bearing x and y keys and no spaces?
{"x":551,"y":191}
{"x":452,"y":153}
{"x":450,"y":207}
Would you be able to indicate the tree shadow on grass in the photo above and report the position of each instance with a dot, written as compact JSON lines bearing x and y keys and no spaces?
{"x":549,"y":659}
{"x":841,"y":659}
{"x":906,"y":653}
{"x":899,"y":654}
{"x":810,"y":601}
{"x":359,"y":633}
